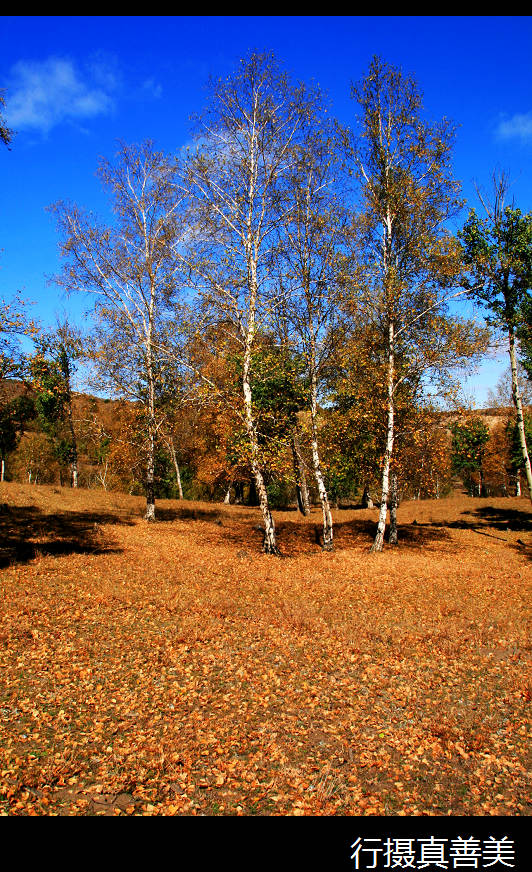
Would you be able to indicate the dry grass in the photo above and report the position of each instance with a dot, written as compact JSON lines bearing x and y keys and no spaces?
{"x":174,"y":669}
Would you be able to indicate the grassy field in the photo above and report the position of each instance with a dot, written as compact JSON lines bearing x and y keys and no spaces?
{"x":173,"y":669}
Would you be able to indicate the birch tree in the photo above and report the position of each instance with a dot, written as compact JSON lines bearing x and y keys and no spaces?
{"x":310,"y":265}
{"x":405,"y":260}
{"x":237,"y":175}
{"x":131,"y":269}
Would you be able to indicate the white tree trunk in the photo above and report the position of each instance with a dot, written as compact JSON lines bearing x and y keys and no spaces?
{"x":322,"y":490}
{"x":270,"y":543}
{"x":150,"y":460}
{"x":179,"y":485}
{"x":176,"y":466}
{"x":101,"y":475}
{"x":379,"y":536}
{"x":150,"y":477}
{"x":251,"y":249}
{"x":392,"y":537}
{"x":516,"y":395}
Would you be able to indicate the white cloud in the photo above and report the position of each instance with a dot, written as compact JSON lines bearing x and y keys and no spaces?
{"x":152,"y":88}
{"x":519,"y":126}
{"x":42,"y":94}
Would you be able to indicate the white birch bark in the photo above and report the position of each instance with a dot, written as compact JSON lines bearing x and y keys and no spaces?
{"x":251,"y":247}
{"x":269,"y":544}
{"x":173,"y":455}
{"x":516,"y":395}
{"x":392,"y":537}
{"x":150,"y":460}
{"x":101,"y":475}
{"x":322,"y":490}
{"x":238,"y":180}
{"x":178,"y":478}
{"x":379,"y":536}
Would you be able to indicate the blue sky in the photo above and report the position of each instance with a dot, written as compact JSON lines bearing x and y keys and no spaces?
{"x":76,"y":85}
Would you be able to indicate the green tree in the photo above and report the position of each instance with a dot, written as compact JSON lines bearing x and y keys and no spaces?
{"x":469,"y":442}
{"x":524,"y":334}
{"x":52,"y":369}
{"x":277,"y":393}
{"x":497,"y":253}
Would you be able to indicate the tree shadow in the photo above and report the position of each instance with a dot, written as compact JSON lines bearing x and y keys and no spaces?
{"x":504,"y":519}
{"x":508,"y":520}
{"x":189,"y":513}
{"x":242,"y":528}
{"x":412,"y":536}
{"x":26,"y":532}
{"x":487,"y":518}
{"x":306,"y":536}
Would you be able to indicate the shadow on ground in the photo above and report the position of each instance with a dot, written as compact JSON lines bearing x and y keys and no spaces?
{"x":244,"y":530}
{"x":486,"y":519}
{"x":361,"y":534}
{"x":504,"y":519}
{"x":186,"y":513}
{"x":26,"y":531}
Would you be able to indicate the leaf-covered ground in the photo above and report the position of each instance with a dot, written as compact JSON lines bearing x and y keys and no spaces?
{"x":174,"y":669}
